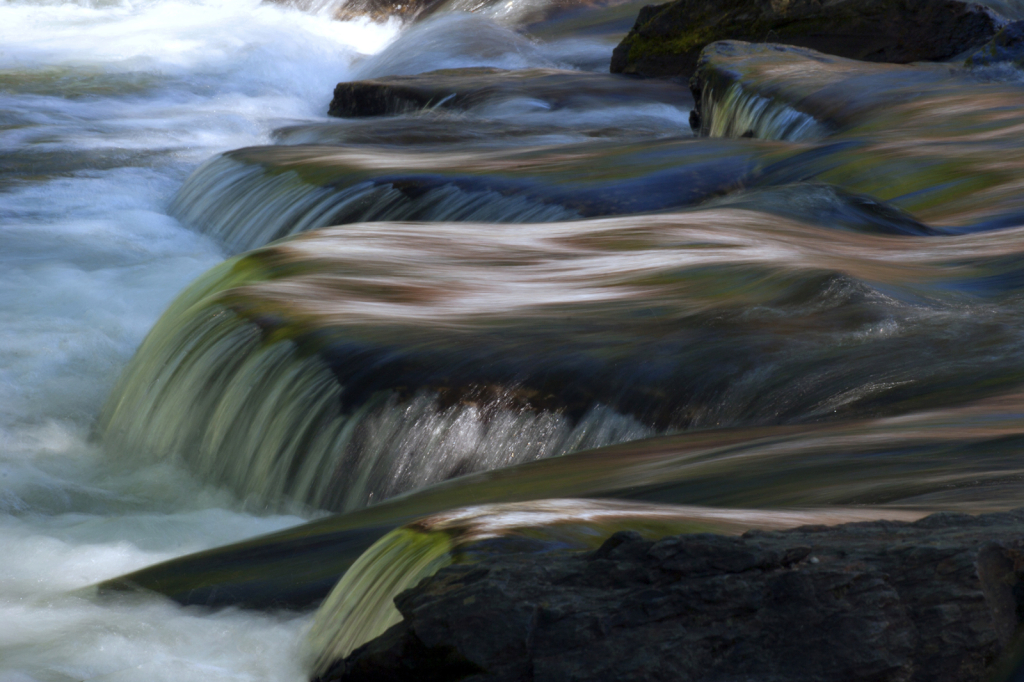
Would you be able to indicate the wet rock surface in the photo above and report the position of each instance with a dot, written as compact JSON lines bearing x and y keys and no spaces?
{"x":836,"y":92}
{"x":1005,"y":46}
{"x":667,"y":39}
{"x":465,"y":88}
{"x":937,"y":600}
{"x":781,"y":92}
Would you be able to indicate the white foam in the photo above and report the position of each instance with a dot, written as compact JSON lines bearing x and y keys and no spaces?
{"x":452,"y":41}
{"x":106,"y":108}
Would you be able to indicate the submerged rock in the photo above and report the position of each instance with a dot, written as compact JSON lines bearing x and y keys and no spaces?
{"x":249,"y":197}
{"x":667,"y":39}
{"x":390,"y":356}
{"x":937,"y":600}
{"x":465,"y":88}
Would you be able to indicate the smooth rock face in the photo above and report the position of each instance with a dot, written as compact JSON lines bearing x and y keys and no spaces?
{"x":465,"y":88}
{"x":936,"y":600}
{"x":666,"y":39}
{"x":762,"y":90}
{"x":836,"y":92}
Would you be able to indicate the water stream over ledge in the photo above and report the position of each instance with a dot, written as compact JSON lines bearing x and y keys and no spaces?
{"x":537,"y":296}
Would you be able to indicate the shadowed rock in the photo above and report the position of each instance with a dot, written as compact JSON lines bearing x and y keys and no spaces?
{"x":1005,"y":46}
{"x":465,"y":88}
{"x":667,"y":39}
{"x":936,"y":600}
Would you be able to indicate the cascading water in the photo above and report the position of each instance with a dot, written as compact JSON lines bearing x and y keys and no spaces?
{"x":739,"y":113}
{"x":353,"y":364}
{"x":244,"y":206}
{"x":105,"y":108}
{"x":361,"y":606}
{"x":350,"y":364}
{"x":265,"y":419}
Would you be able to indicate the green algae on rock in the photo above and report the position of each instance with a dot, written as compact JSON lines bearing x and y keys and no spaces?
{"x":667,"y":39}
{"x":927,"y":138}
{"x":1005,"y":46}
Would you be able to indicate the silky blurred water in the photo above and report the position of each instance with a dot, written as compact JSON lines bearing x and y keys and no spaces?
{"x":105,"y":107}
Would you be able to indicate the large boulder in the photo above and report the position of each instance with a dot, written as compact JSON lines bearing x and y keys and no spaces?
{"x":936,"y":600}
{"x":667,"y":39}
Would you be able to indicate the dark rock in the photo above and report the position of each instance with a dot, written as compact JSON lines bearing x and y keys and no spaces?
{"x":937,"y":600}
{"x":465,"y":88}
{"x":667,"y":39}
{"x":1005,"y":46}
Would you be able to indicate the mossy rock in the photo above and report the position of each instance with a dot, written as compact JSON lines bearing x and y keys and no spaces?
{"x":667,"y":39}
{"x":1006,"y":46}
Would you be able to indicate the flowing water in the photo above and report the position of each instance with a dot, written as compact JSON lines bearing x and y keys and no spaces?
{"x":105,"y":110}
{"x":799,"y":328}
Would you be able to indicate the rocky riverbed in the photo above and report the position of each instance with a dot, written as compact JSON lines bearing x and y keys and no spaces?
{"x":770,"y":267}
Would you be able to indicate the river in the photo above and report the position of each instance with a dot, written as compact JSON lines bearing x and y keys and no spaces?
{"x":108,"y":107}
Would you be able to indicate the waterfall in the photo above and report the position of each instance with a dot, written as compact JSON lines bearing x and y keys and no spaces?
{"x":244,"y":205}
{"x":259,"y":413}
{"x":362,"y":605}
{"x":738,"y":112}
{"x":586,"y":301}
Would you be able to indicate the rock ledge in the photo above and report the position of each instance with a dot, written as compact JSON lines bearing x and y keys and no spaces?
{"x":935,"y":600}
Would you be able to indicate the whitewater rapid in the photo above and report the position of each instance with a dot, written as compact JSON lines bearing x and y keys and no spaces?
{"x":105,"y":108}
